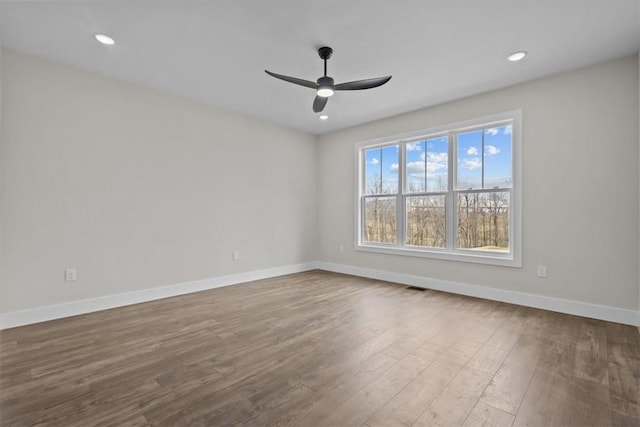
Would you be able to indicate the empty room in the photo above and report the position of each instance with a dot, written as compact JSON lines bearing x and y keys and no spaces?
{"x":305,"y":213}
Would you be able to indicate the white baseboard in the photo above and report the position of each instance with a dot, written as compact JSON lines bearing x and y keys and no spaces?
{"x":57,"y":311}
{"x":594,"y":311}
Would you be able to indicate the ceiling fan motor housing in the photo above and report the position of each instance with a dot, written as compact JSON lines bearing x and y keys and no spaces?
{"x":325,"y":52}
{"x":325,"y":81}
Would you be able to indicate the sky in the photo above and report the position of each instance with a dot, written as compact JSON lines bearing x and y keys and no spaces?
{"x":484,"y":161}
{"x":496,"y":156}
{"x":427,"y":164}
{"x":382,"y":162}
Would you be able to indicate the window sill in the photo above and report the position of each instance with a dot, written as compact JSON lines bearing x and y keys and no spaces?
{"x":506,"y":260}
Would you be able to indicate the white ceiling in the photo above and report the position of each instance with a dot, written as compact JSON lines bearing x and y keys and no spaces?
{"x":216,"y":51}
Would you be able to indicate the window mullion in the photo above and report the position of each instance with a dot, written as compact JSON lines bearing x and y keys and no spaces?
{"x":361,"y":191}
{"x":400,"y":205}
{"x":482,"y":157}
{"x":451,"y":217}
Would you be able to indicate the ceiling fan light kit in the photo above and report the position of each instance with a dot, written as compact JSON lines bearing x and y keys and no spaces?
{"x":325,"y":85}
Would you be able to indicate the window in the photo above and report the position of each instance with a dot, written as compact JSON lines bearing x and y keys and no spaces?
{"x":450,"y":193}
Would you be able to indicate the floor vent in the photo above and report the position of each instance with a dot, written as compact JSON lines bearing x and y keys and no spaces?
{"x":415,"y":288}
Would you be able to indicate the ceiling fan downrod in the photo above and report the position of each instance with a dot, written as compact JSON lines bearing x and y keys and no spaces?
{"x":325,"y":53}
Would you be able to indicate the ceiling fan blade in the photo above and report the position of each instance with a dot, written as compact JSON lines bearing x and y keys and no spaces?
{"x":295,"y":80}
{"x":319,"y":103}
{"x":363,"y":84}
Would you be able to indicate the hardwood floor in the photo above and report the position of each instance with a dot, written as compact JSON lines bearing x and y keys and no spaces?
{"x":320,"y":349}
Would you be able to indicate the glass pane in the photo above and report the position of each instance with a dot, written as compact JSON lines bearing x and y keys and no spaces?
{"x":381,"y":170}
{"x":469,"y":160}
{"x":372,"y":173}
{"x":497,"y":157}
{"x":390,"y":170}
{"x":426,"y":224}
{"x":437,"y":164}
{"x":416,"y":172}
{"x":380,"y":219}
{"x":483,"y":221}
{"x":427,"y":165}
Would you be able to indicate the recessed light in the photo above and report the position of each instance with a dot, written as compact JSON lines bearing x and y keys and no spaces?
{"x":104,"y":39}
{"x":517,"y":56}
{"x":323,"y":117}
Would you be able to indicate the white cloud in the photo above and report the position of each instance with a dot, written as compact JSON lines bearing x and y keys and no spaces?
{"x":414,"y":146}
{"x":435,"y":162}
{"x":394,"y":167}
{"x":507,"y":130}
{"x":492,"y":131}
{"x":471,"y":164}
{"x":437,"y":158}
{"x":472,"y":150}
{"x":491,"y":150}
{"x":418,"y":167}
{"x":432,"y":167}
{"x":374,"y":161}
{"x":414,"y":168}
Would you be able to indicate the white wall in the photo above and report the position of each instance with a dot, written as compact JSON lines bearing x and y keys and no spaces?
{"x":138,"y":189}
{"x":2,"y":156}
{"x":581,"y":187}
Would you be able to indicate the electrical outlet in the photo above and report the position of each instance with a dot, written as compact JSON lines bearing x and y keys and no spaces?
{"x":542,"y":271}
{"x":70,"y":275}
{"x":341,"y":248}
{"x":236,"y":255}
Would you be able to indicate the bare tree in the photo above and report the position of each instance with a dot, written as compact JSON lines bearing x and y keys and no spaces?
{"x":380,"y":215}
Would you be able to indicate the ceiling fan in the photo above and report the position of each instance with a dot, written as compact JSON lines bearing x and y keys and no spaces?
{"x":325,"y":86}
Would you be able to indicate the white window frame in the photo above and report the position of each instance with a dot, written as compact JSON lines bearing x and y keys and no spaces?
{"x":511,"y":259}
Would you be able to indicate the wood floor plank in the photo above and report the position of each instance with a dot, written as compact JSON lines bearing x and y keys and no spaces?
{"x":483,"y":415}
{"x":320,"y":348}
{"x":409,"y":343}
{"x":623,"y":345}
{"x":355,"y":410}
{"x":508,"y":386}
{"x":202,"y":407}
{"x":330,"y":397}
{"x":407,"y":406}
{"x":620,"y":420}
{"x":489,"y":359}
{"x":457,"y":400}
{"x":340,"y":385}
{"x":591,"y":352}
{"x":286,"y":411}
{"x":554,"y":400}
